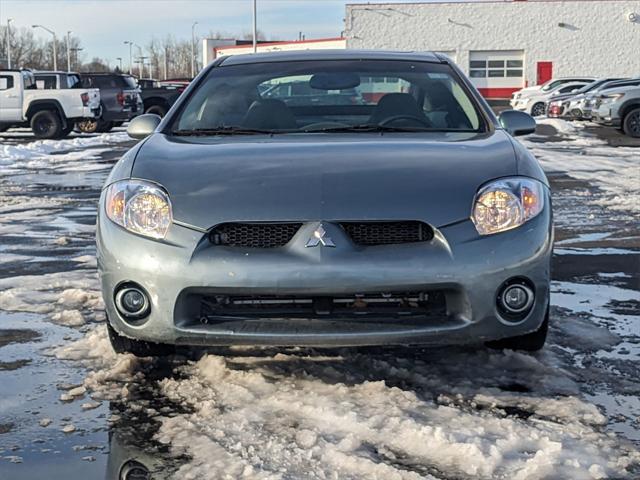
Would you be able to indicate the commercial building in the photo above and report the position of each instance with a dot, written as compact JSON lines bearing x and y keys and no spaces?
{"x":506,"y":45}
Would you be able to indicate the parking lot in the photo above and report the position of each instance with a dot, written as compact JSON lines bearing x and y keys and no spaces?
{"x":70,"y":406}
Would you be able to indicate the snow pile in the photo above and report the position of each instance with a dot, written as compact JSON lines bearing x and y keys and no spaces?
{"x":69,"y":298}
{"x":561,"y":126}
{"x":42,"y":148}
{"x":385,"y":417}
{"x":109,"y":374}
{"x":615,"y":170}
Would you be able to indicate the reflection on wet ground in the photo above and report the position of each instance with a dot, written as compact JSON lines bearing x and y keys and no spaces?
{"x":70,"y":408}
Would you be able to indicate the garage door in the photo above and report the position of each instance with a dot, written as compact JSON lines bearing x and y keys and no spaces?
{"x":497,"y":73}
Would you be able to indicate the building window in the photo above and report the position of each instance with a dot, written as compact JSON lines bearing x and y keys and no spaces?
{"x":495,"y":68}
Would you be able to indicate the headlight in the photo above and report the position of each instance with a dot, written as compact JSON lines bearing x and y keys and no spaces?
{"x":507,"y":203}
{"x":612,"y":98}
{"x":140,"y":207}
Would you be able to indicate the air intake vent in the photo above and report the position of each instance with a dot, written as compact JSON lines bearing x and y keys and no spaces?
{"x":273,"y":235}
{"x":387,"y":233}
{"x":254,"y":235}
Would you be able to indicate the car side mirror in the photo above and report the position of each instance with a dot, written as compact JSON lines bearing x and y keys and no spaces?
{"x":143,"y":126}
{"x":517,"y":123}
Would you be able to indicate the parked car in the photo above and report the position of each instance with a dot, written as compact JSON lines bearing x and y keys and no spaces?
{"x":414,"y":218}
{"x":619,"y":107}
{"x":50,"y":113}
{"x":552,"y":84}
{"x":587,"y":104}
{"x":157,"y":98}
{"x":535,"y":103}
{"x":120,"y":100}
{"x":559,"y":105}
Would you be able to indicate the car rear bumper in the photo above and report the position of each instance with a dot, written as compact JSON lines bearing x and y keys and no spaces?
{"x":468,"y":270}
{"x":124,"y":114}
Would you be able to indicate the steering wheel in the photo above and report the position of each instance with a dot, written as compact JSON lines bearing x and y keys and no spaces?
{"x":423,"y":121}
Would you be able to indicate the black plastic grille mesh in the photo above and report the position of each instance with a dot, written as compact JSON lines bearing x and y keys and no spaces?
{"x":254,"y":235}
{"x":273,"y":235}
{"x":387,"y":233}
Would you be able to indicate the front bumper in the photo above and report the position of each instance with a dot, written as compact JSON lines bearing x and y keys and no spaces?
{"x":468,"y":268}
{"x":605,"y":116}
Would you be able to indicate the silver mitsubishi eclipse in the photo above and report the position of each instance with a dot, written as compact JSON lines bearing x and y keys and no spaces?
{"x":326,"y":198}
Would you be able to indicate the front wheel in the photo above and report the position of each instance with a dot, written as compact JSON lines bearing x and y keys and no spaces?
{"x":538,"y":110}
{"x":531,"y":342}
{"x":104,"y":127}
{"x":46,"y":124}
{"x":139,"y":348}
{"x":631,"y":123}
{"x":159,"y":110}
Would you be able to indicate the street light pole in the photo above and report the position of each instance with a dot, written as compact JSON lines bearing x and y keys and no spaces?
{"x":193,"y":41}
{"x":130,"y":43}
{"x":69,"y":51}
{"x":119,"y":63}
{"x":9,"y":20}
{"x":255,"y":26}
{"x":55,"y":51}
{"x":165,"y":63}
{"x":75,"y":56}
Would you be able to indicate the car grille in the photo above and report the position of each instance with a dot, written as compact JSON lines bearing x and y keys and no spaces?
{"x":387,"y":233}
{"x":392,"y":306}
{"x":254,"y":235}
{"x":273,"y":235}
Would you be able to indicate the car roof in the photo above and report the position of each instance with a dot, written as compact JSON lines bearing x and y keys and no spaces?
{"x":53,"y":72}
{"x":311,"y":55}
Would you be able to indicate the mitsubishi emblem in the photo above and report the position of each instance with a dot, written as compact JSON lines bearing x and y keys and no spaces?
{"x":320,"y":237}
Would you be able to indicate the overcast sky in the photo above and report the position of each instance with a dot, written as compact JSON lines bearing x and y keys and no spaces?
{"x":103,"y":25}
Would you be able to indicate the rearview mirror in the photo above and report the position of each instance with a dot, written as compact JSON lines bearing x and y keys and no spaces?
{"x":517,"y":123}
{"x":143,"y":126}
{"x":334,"y":81}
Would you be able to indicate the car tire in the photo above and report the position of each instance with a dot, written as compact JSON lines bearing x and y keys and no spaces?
{"x":46,"y":125}
{"x":139,"y":348}
{"x":118,"y":124}
{"x":631,"y":123}
{"x":537,"y":109}
{"x":159,"y":110}
{"x":66,"y":131}
{"x":104,"y":127}
{"x":531,"y":342}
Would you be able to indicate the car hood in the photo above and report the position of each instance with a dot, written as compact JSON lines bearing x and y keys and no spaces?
{"x":298,"y":177}
{"x":527,"y":91}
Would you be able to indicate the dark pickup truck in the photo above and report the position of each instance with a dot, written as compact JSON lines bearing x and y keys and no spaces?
{"x":157,"y":97}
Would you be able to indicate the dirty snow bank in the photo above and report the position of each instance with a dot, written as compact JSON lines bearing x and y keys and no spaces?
{"x":344,"y":417}
{"x":42,"y":148}
{"x":69,"y":298}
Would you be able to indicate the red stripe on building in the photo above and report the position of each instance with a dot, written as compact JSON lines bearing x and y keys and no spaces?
{"x":498,"y":92}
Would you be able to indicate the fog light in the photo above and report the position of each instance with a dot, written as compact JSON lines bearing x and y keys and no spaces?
{"x":132,"y":302}
{"x":516,"y":298}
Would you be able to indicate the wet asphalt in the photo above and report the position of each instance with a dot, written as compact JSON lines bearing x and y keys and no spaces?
{"x":597,"y":248}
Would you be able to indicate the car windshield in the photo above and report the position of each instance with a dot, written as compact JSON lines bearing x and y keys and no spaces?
{"x":331,"y":95}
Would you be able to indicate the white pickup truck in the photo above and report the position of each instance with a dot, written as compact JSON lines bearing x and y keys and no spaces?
{"x":50,"y":112}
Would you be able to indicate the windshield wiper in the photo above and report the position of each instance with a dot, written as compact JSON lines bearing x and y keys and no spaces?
{"x":226,"y":130}
{"x":371,"y":127}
